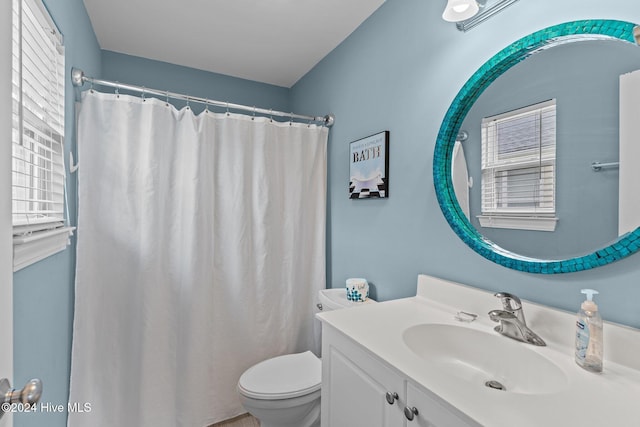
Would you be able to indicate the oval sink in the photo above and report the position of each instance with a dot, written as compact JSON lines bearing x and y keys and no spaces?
{"x":485,"y":359}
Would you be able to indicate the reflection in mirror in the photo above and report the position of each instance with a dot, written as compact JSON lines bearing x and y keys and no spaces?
{"x":628,"y":242}
{"x":583,"y":79}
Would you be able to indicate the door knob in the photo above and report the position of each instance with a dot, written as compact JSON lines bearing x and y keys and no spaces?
{"x":29,"y":395}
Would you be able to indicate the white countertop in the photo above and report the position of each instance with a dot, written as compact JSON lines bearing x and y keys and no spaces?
{"x":611,"y":398}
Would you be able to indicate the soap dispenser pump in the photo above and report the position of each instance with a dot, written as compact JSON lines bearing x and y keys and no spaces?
{"x":589,"y":339}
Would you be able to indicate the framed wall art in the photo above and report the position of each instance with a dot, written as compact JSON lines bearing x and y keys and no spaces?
{"x":369,"y":167}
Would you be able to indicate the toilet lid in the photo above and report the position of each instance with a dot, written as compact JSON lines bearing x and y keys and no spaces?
{"x":282,"y":377}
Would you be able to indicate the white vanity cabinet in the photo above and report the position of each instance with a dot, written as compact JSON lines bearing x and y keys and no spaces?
{"x":359,"y":390}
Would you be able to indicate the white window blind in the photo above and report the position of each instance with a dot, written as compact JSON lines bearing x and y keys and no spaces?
{"x":38,"y":175}
{"x":518,"y":166}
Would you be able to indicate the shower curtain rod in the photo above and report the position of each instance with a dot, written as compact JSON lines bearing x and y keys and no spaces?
{"x":78,"y":79}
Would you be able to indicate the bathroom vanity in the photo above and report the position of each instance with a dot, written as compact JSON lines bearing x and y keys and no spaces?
{"x":362,"y":390}
{"x":411,"y":362}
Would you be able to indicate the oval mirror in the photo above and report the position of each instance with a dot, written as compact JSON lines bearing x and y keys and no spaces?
{"x":575,"y":204}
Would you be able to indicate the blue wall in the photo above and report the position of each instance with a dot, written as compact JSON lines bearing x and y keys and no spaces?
{"x":175,"y":78}
{"x":399,"y":72}
{"x":43,"y":293}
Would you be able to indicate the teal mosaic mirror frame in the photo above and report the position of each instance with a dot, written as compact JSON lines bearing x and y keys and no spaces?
{"x":473,"y":88}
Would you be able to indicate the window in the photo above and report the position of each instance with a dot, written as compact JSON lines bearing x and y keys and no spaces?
{"x":518,"y":168}
{"x":38,"y":175}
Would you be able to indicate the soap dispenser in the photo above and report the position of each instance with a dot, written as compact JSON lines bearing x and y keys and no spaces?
{"x":589,"y":339}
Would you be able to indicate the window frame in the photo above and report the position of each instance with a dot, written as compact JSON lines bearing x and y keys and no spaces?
{"x":39,"y":208}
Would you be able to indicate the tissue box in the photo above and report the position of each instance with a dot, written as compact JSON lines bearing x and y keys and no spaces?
{"x":357,"y":289}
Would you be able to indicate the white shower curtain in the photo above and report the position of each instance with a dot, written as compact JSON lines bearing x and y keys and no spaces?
{"x":201,"y":247}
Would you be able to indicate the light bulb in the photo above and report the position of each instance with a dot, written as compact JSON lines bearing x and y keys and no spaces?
{"x":459,"y":10}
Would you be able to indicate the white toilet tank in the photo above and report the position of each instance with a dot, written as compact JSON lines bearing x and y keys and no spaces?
{"x":334,"y":299}
{"x":331,"y":299}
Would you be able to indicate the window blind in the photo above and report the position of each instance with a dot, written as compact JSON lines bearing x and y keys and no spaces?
{"x":38,"y":120}
{"x":38,"y":175}
{"x":518,"y":161}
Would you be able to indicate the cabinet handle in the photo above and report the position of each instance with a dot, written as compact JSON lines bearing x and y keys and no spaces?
{"x":410,"y":413}
{"x":391,"y":397}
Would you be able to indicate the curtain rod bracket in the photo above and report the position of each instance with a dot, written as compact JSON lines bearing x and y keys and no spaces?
{"x":329,"y":120}
{"x":77,"y":77}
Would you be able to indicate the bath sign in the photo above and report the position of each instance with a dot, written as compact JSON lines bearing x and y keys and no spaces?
{"x":369,"y":167}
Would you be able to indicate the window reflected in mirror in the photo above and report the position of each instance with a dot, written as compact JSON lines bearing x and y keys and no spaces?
{"x":518,"y":168}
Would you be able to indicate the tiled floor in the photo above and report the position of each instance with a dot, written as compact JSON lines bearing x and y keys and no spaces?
{"x":241,"y":421}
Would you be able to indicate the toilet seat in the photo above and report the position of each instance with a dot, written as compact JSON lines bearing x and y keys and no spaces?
{"x":282,"y":377}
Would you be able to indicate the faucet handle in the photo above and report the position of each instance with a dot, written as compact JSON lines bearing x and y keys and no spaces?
{"x":500,"y":315}
{"x":507,"y":298}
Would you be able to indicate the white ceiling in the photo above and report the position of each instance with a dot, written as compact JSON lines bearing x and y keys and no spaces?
{"x":270,"y":41}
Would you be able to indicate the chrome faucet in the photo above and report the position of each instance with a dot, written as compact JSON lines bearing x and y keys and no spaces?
{"x":511,"y":319}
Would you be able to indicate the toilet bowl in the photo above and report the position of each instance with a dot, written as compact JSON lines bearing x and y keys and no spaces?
{"x":284,"y":391}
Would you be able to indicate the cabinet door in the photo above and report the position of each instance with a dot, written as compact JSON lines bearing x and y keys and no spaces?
{"x":355,"y":387}
{"x":433,"y":412}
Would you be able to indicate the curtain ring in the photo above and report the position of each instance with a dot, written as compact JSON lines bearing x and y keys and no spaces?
{"x":206,"y":105}
{"x":271,"y":115}
{"x":291,"y":119}
{"x":117,"y":90}
{"x":167,"y":102}
{"x":253,"y":117}
{"x":188,"y":106}
{"x":228,"y":109}
{"x":91,"y":88}
{"x":143,"y":98}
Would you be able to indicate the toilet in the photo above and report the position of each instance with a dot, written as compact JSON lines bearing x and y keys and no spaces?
{"x":284,"y":391}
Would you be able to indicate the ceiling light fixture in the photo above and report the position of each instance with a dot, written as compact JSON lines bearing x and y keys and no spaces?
{"x":487,"y":8}
{"x":459,"y":10}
